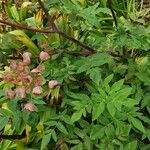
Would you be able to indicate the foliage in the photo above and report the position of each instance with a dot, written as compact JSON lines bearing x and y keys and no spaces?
{"x":74,"y":75}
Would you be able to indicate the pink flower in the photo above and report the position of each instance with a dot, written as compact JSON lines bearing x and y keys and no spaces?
{"x":10,"y":94}
{"x":26,"y":58}
{"x":26,"y":61}
{"x":27,"y":79}
{"x":44,"y":55}
{"x":16,"y":80}
{"x":20,"y":67}
{"x":13,"y":65}
{"x":27,"y":55}
{"x":39,"y":69}
{"x":37,"y":90}
{"x":7,"y":77}
{"x":52,"y":84}
{"x":35,"y":70}
{"x":29,"y":106}
{"x":39,"y":81}
{"x":20,"y":91}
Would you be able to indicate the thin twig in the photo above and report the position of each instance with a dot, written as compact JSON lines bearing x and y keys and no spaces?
{"x":75,"y":41}
{"x":19,"y":26}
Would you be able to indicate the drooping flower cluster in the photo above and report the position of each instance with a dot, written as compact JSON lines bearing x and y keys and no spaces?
{"x":25,"y":80}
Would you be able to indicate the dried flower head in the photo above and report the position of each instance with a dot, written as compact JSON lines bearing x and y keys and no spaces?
{"x":26,"y":58}
{"x":44,"y":55}
{"x":29,"y":106}
{"x":26,"y":61}
{"x":27,"y":55}
{"x":10,"y":94}
{"x":38,"y":70}
{"x":37,"y":90}
{"x":20,"y":67}
{"x":52,"y":84}
{"x":13,"y":65}
{"x":20,"y":91}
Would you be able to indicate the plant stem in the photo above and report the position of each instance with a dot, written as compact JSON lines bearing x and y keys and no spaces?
{"x":19,"y":26}
{"x":112,"y":11}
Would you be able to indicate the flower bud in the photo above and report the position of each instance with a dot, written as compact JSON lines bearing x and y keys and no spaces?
{"x":10,"y":94}
{"x":27,"y":79}
{"x":37,"y":90}
{"x":20,"y":67}
{"x":26,"y":58}
{"x":8,"y":77}
{"x":38,"y":70}
{"x":13,"y":65}
{"x":26,"y":61}
{"x":27,"y":55}
{"x":20,"y":91}
{"x":44,"y":55}
{"x":29,"y":106}
{"x":52,"y":84}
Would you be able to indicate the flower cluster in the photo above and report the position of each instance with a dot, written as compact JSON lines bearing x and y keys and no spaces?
{"x":24,"y":80}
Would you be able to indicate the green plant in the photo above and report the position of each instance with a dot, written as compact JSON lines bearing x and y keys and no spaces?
{"x":74,"y":75}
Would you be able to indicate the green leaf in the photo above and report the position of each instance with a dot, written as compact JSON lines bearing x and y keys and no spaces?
{"x":31,"y":118}
{"x":131,"y":146}
{"x":106,"y":83}
{"x":137,"y":124}
{"x":99,"y":59}
{"x":95,"y":60}
{"x":78,"y":96}
{"x":144,"y":77}
{"x":49,"y":2}
{"x":17,"y":118}
{"x":84,"y":68}
{"x":45,"y":140}
{"x":109,"y":130}
{"x":130,"y":102}
{"x":95,"y":75}
{"x":89,"y":14}
{"x":116,"y":86}
{"x":14,"y":13}
{"x":97,"y":132}
{"x":2,"y":96}
{"x":76,"y":116}
{"x":97,"y":110}
{"x":122,"y":94}
{"x":62,"y":128}
{"x":69,"y":6}
{"x":111,"y":108}
{"x":3,"y":121}
{"x":54,"y":136}
{"x":123,"y":130}
{"x":24,"y":39}
{"x":103,"y":94}
{"x":38,"y":101}
{"x":88,"y":143}
{"x":13,"y":105}
{"x":118,"y":105}
{"x":79,"y":132}
{"x":104,"y":10}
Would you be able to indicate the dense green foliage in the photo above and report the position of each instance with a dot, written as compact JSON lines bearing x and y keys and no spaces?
{"x":102,"y":98}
